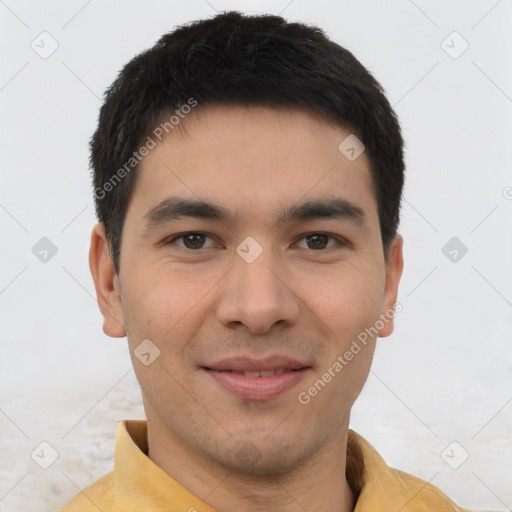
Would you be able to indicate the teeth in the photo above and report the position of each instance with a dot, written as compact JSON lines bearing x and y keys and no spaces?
{"x":251,"y":374}
{"x":266,"y":373}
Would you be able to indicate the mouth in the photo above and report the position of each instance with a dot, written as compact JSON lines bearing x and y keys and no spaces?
{"x":257,"y":379}
{"x":257,"y":373}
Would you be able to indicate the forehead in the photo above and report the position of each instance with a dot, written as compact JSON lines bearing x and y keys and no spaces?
{"x":254,"y":160}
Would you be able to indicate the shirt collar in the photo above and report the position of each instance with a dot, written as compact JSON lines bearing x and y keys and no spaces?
{"x":135,"y":474}
{"x":374,"y":483}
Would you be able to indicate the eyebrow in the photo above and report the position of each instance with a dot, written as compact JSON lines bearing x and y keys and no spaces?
{"x":173,"y":208}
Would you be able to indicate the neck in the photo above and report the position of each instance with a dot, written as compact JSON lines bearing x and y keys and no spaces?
{"x":319,"y":484}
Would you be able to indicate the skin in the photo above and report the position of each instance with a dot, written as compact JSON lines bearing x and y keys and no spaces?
{"x":203,"y":305}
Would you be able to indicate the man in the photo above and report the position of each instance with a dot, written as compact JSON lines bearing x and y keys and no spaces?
{"x":248,"y":175}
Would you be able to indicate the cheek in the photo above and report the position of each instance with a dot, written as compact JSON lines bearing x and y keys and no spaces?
{"x":160,"y":306}
{"x":169,"y":307}
{"x":347,"y":300}
{"x":163,"y":301}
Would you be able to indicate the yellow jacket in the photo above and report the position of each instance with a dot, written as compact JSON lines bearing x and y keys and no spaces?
{"x":137,"y":484}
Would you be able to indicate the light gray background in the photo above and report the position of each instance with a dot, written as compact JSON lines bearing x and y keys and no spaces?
{"x":445,"y":374}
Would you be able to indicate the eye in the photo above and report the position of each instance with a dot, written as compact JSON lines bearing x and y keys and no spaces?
{"x":191,"y":240}
{"x":319,"y":241}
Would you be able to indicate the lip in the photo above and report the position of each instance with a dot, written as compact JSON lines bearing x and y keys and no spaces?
{"x":257,"y":388}
{"x":253,"y":364}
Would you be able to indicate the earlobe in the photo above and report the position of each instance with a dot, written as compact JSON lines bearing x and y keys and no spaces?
{"x":106,"y":283}
{"x":394,"y":267}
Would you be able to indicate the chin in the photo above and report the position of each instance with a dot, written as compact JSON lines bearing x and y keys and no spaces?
{"x":263,"y":457}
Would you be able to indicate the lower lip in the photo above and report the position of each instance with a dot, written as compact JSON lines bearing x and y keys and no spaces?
{"x":257,"y":388}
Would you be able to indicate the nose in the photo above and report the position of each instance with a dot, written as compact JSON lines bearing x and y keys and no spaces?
{"x":257,"y":296}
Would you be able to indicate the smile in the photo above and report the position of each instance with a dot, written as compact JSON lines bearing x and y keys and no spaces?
{"x":257,"y":379}
{"x":260,"y":373}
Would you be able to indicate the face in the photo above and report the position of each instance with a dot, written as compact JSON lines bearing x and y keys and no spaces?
{"x":252,"y":260}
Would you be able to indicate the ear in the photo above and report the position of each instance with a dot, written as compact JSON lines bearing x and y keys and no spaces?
{"x":394,"y":267}
{"x":106,"y":283}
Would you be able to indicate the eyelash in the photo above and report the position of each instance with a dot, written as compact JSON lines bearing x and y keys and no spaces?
{"x":340,"y":241}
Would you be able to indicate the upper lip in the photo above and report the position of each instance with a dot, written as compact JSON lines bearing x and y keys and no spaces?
{"x":252,"y":364}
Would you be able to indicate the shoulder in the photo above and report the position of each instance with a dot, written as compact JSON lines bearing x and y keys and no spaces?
{"x":423,"y":496}
{"x":379,"y":486}
{"x":97,"y":496}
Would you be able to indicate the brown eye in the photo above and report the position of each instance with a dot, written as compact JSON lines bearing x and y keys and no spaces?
{"x":193,"y":241}
{"x":317,"y":241}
